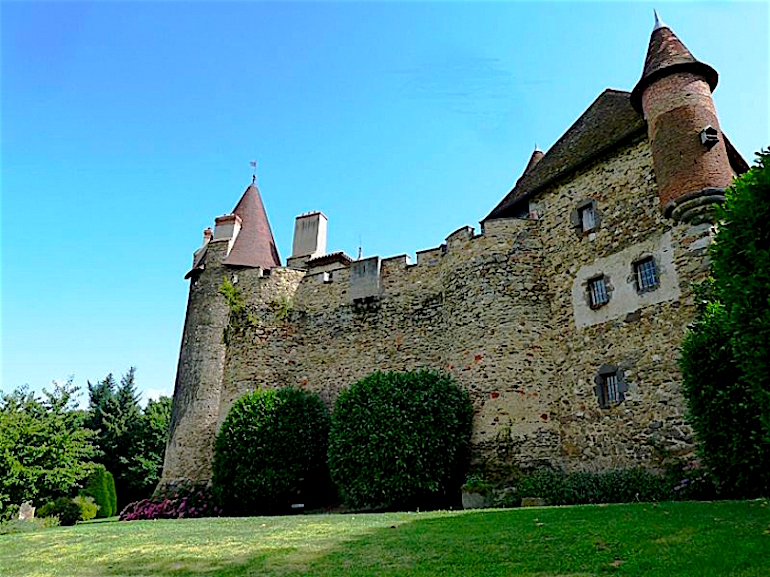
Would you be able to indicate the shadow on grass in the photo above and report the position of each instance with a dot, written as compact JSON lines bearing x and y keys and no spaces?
{"x":667,"y":539}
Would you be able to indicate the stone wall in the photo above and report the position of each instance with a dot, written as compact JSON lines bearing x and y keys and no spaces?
{"x":500,"y":311}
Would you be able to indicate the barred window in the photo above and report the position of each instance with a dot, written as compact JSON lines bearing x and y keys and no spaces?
{"x":611,"y":388}
{"x":588,"y":218}
{"x":597,"y":292}
{"x":646,"y":275}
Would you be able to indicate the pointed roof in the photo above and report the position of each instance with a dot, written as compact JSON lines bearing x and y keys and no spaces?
{"x":609,"y":121}
{"x":667,"y":54}
{"x":537,"y":156}
{"x":254,"y":245}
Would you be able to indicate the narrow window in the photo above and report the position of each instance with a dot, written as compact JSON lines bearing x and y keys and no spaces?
{"x":646,"y":275}
{"x":611,"y":388}
{"x":588,"y":218}
{"x":597,"y":292}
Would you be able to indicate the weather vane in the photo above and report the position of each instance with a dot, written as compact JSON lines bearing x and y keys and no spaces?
{"x":253,"y":164}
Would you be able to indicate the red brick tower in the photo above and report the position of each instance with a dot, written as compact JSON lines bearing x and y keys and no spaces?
{"x":689,"y":154}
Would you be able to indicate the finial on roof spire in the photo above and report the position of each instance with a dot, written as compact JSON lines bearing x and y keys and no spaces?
{"x":253,"y":164}
{"x":537,"y":148}
{"x":658,"y":22}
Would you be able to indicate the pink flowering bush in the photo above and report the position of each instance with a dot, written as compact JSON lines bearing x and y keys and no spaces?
{"x":174,"y":503}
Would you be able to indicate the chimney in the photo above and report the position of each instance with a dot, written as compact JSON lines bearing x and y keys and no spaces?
{"x":309,"y":238}
{"x":226,"y":228}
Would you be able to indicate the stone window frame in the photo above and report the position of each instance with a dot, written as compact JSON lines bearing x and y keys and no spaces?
{"x":576,"y":216}
{"x":608,"y":290}
{"x":600,"y":389}
{"x":635,"y":273}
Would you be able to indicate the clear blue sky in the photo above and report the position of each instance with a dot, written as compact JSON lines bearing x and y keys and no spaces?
{"x":127,"y":127}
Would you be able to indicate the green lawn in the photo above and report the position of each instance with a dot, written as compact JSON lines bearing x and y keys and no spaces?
{"x":720,"y":539}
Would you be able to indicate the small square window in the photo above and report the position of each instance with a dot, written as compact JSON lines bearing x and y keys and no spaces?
{"x":587,"y":218}
{"x":646,"y":275}
{"x":597,"y":292}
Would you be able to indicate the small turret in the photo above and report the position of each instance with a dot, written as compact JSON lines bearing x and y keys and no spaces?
{"x":692,"y":168}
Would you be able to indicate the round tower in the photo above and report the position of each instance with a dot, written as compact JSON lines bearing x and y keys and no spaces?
{"x":689,"y":154}
{"x":241,"y":239}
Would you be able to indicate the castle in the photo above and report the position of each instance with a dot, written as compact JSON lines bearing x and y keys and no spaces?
{"x":562,"y":317}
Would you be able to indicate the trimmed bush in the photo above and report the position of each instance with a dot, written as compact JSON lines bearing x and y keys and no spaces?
{"x":65,"y":508}
{"x":271,"y":453}
{"x":179,"y":503}
{"x":101,"y":487}
{"x":401,"y":440}
{"x":617,"y":486}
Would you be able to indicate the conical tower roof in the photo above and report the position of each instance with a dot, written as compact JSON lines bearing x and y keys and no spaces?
{"x":255,"y":245}
{"x":537,"y":156}
{"x":666,"y":55}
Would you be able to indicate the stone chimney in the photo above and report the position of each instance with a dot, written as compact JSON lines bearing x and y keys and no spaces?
{"x":309,"y":239}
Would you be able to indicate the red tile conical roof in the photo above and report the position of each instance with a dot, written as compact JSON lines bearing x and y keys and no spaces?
{"x":254,"y":245}
{"x":667,"y":54}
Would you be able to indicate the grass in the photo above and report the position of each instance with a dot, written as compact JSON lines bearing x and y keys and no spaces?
{"x":686,"y":538}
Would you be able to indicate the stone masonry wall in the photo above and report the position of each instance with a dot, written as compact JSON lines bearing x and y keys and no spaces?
{"x":497,"y":311}
{"x":475,"y":309}
{"x":649,"y":424}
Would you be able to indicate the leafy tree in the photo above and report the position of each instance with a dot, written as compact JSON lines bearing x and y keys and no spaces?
{"x":726,"y":356}
{"x":45,"y":451}
{"x":149,"y":446}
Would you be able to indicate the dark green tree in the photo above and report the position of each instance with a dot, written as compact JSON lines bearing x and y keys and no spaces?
{"x":725,"y":358}
{"x":45,"y":451}
{"x":132,"y":441}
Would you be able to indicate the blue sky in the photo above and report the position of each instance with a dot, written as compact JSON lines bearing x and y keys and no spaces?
{"x":128,"y":126}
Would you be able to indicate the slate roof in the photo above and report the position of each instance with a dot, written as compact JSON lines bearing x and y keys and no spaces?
{"x":609,"y":120}
{"x":667,"y":54}
{"x":255,"y":245}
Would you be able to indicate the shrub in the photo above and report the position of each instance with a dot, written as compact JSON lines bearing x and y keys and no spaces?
{"x":65,"y":508}
{"x":87,"y":507}
{"x":616,"y":486}
{"x":178,"y":503}
{"x":101,"y":487}
{"x":401,"y":440}
{"x":271,"y":452}
{"x":725,"y":359}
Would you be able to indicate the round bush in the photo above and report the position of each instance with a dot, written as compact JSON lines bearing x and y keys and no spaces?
{"x":65,"y":508}
{"x":401,"y":440}
{"x":271,"y":453}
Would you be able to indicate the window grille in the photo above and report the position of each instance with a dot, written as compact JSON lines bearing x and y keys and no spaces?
{"x":588,"y":218}
{"x":646,"y":275}
{"x":597,"y":291}
{"x":611,"y":388}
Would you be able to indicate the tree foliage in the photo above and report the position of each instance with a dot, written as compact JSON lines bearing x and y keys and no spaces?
{"x":45,"y":451}
{"x":400,"y":440}
{"x":271,"y":452}
{"x":726,"y":356}
{"x":132,"y":440}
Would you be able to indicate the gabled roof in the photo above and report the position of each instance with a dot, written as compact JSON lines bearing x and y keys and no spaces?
{"x":667,"y":54}
{"x":609,"y":120}
{"x":254,"y":245}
